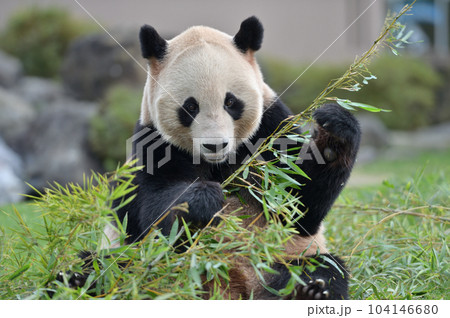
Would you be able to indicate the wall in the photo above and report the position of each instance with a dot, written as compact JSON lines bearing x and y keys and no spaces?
{"x":298,"y":30}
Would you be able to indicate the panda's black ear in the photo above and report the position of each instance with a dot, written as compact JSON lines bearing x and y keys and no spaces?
{"x":152,"y":44}
{"x":250,"y":35}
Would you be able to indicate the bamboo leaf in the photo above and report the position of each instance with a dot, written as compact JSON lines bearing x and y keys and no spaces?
{"x":19,"y":272}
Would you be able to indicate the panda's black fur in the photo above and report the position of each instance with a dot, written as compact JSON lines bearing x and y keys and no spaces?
{"x":337,"y":137}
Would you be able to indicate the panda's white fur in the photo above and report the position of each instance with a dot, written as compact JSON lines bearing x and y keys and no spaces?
{"x":223,"y":69}
{"x":110,"y":238}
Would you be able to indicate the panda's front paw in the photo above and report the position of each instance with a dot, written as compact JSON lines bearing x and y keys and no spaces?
{"x":205,"y":199}
{"x":315,"y":290}
{"x":338,"y":122}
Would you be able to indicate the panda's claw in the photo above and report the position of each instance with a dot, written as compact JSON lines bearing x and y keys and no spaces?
{"x":314,"y":290}
{"x":305,"y":289}
{"x":320,"y":283}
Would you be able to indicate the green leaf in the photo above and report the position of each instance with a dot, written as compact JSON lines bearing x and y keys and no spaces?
{"x":388,"y":184}
{"x":279,"y":172}
{"x":173,"y":232}
{"x":188,"y":232}
{"x":245,"y":173}
{"x":348,"y":104}
{"x":334,"y":264}
{"x":344,"y":103}
{"x":369,"y":108}
{"x":19,"y":272}
{"x":267,"y":268}
{"x":297,"y":170}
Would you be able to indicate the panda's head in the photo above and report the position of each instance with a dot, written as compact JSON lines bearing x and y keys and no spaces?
{"x":205,"y":92}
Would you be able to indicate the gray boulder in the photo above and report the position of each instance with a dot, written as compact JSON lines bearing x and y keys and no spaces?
{"x":16,"y":116}
{"x":95,"y":62}
{"x":55,"y":148}
{"x":39,"y":91}
{"x":374,"y":138}
{"x":434,"y":137}
{"x":11,"y":159}
{"x":11,"y":185}
{"x":373,"y":132}
{"x":11,"y":70}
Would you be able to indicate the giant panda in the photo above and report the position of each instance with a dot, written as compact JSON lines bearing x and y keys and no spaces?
{"x":203,"y":100}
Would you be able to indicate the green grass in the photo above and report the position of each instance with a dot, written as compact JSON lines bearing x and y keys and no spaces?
{"x":406,"y":162}
{"x":27,"y":211}
{"x":392,"y":234}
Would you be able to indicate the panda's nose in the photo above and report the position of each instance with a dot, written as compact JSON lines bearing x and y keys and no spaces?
{"x":215,"y":147}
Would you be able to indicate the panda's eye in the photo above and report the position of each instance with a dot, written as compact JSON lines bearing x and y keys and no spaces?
{"x":229,"y":102}
{"x":192,"y":107}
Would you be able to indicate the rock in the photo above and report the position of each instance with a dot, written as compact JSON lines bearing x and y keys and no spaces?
{"x":373,"y":132}
{"x":11,"y":70}
{"x":39,"y":91}
{"x":435,"y":137}
{"x":367,"y":154}
{"x":11,"y":186}
{"x":16,"y":116}
{"x":95,"y":62}
{"x":10,"y":158}
{"x":55,"y":146}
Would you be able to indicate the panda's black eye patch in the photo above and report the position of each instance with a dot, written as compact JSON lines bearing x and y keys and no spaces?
{"x":188,"y":111}
{"x":233,"y":106}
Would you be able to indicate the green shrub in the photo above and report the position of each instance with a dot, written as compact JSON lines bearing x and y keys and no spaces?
{"x":114,"y":124}
{"x":279,"y":75}
{"x":39,"y":37}
{"x":405,"y":85}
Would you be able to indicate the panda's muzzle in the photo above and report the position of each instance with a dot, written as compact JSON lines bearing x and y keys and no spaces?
{"x":215,"y":147}
{"x":215,"y":152}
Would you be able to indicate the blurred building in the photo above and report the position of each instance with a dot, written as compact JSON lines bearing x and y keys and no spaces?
{"x":429,"y":19}
{"x":298,"y":30}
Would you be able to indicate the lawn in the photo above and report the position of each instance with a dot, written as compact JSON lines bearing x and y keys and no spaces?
{"x":391,"y":228}
{"x":28,"y":212}
{"x":394,"y":232}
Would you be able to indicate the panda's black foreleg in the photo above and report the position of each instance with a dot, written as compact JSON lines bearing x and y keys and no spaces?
{"x":327,"y":281}
{"x":205,"y":199}
{"x":328,"y":162}
{"x":156,"y":204}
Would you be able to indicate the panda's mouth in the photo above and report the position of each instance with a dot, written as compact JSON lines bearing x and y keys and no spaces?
{"x":215,"y":150}
{"x":214,"y":157}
